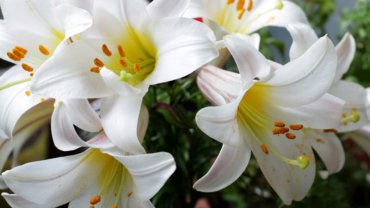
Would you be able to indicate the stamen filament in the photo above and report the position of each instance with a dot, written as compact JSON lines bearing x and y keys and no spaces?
{"x":354,"y":117}
{"x":11,"y":84}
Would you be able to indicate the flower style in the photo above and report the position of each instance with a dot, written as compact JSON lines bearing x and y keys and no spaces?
{"x":267,"y":117}
{"x":97,"y":178}
{"x":245,"y":16}
{"x":125,"y":53}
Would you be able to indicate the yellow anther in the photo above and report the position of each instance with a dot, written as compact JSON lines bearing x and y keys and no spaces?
{"x":98,"y":62}
{"x":355,"y":116}
{"x":31,"y":74}
{"x":95,"y":200}
{"x":290,"y":136}
{"x":240,"y":5}
{"x":303,"y":161}
{"x":296,"y":127}
{"x":241,"y":13}
{"x":28,"y":93}
{"x":136,"y":68}
{"x":250,"y":5}
{"x":27,"y":67}
{"x":13,"y":57}
{"x":42,"y":100}
{"x":279,"y":124}
{"x":123,"y":63}
{"x":121,"y":51}
{"x":106,"y":50}
{"x":95,"y":70}
{"x":44,"y":50}
{"x":264,"y":149}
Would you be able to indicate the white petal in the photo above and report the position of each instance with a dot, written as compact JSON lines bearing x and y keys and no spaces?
{"x":167,"y":8}
{"x":289,"y":181}
{"x":220,"y":122}
{"x":312,"y":73}
{"x":153,"y":169}
{"x":196,"y":9}
{"x":251,"y":63}
{"x":67,"y":75}
{"x":346,"y":50}
{"x":183,"y":45}
{"x":73,"y":19}
{"x":229,"y":165}
{"x":63,"y":132}
{"x":303,"y":38}
{"x":144,"y":122}
{"x":289,"y":14}
{"x":324,"y":113}
{"x":67,"y":175}
{"x":219,"y":86}
{"x":120,"y":117}
{"x":122,"y":88}
{"x":361,"y":137}
{"x":329,"y":148}
{"x":18,"y":202}
{"x":83,"y":115}
{"x":14,"y":102}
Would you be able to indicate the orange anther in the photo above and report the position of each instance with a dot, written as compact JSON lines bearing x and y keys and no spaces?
{"x":18,"y":53}
{"x":330,"y":131}
{"x":279,"y":124}
{"x":106,"y":50}
{"x":136,"y":68}
{"x":290,"y":136}
{"x":250,"y":5}
{"x":13,"y":57}
{"x":91,"y":207}
{"x":95,"y":70}
{"x":296,"y":127}
{"x":129,"y":194}
{"x":21,"y":49}
{"x":114,"y":206}
{"x":284,"y":130}
{"x":230,"y":1}
{"x":264,"y":149}
{"x":123,"y":63}
{"x":240,"y":5}
{"x":96,"y":199}
{"x":44,"y":50}
{"x":276,"y":131}
{"x":121,"y":51}
{"x":27,"y":67}
{"x":98,"y":62}
{"x":28,"y":93}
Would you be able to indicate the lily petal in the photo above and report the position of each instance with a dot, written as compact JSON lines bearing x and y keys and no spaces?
{"x":346,"y":50}
{"x":229,"y":165}
{"x":219,"y":122}
{"x":303,"y":38}
{"x":329,"y":148}
{"x":183,"y":45}
{"x":153,"y":169}
{"x":120,"y":117}
{"x":317,"y":65}
{"x":16,"y":201}
{"x":251,"y":63}
{"x":167,"y":8}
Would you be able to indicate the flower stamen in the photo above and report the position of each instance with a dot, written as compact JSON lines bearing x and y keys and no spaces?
{"x":106,"y":50}
{"x":296,"y":127}
{"x":121,"y":51}
{"x":95,"y":200}
{"x":354,"y":117}
{"x":27,"y":67}
{"x":290,"y":136}
{"x":264,"y":149}
{"x":279,"y":124}
{"x":44,"y":50}
{"x":98,"y":62}
{"x":95,"y":70}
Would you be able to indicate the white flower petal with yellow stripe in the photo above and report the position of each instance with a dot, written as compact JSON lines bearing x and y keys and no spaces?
{"x":99,"y":178}
{"x":268,"y":116}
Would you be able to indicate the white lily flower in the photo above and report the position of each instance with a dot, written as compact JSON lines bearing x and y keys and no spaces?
{"x":245,"y":16}
{"x":268,"y":115}
{"x":354,"y":115}
{"x":125,"y":53}
{"x":97,"y":177}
